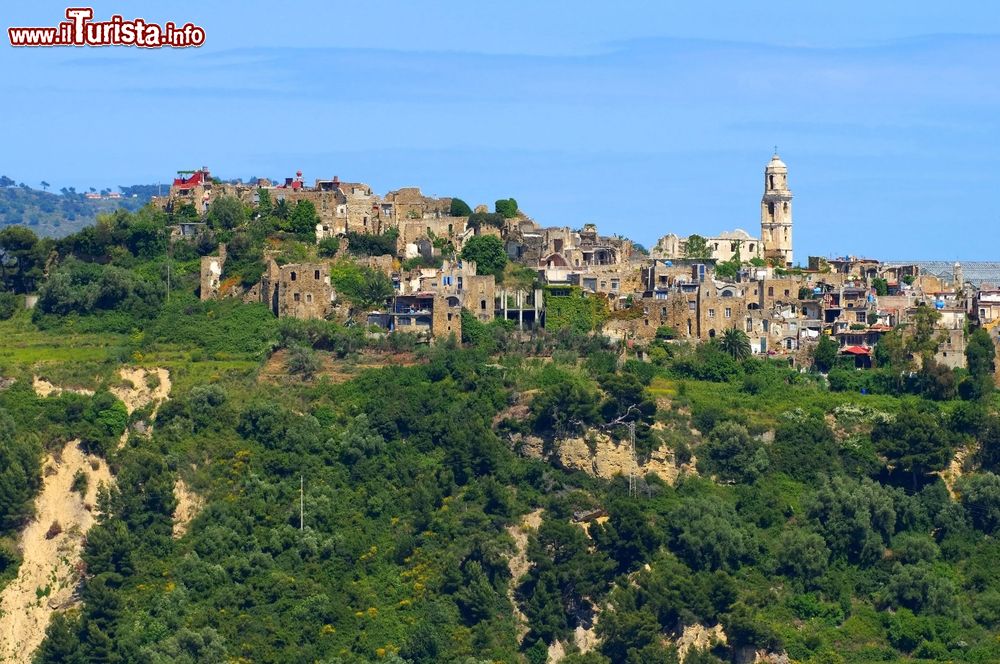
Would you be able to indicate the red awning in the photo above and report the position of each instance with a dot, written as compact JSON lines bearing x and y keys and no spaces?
{"x":857,"y":350}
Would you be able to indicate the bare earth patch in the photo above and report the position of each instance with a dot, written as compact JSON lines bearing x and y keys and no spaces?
{"x":49,"y":574}
{"x":44,"y":388}
{"x":188,"y":505}
{"x":135,"y":391}
{"x":518,"y":564}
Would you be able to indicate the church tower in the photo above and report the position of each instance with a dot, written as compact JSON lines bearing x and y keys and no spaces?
{"x":776,"y":213}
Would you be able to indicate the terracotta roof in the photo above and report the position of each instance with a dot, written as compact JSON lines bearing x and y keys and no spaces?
{"x":856,"y":350}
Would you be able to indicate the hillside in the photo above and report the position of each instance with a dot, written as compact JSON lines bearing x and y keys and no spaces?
{"x":287,"y":490}
{"x":59,"y":214}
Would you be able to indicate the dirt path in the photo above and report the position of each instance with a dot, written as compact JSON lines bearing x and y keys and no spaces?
{"x":48,"y":574}
{"x":518,"y":564}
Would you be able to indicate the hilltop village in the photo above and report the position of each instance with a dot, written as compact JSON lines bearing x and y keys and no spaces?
{"x":686,"y":288}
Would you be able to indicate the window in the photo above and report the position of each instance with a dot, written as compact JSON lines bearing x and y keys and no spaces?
{"x":711,"y":313}
{"x":729,"y":312}
{"x":295,"y":297}
{"x":663,"y":311}
{"x":691,"y":305}
{"x":446,"y":281}
{"x":770,"y":291}
{"x":614,"y":284}
{"x":293,"y":276}
{"x":861,"y":317}
{"x":482,"y":305}
{"x":787,"y":293}
{"x":647,"y":322}
{"x":316,"y":275}
{"x":309,"y":298}
{"x":749,"y":325}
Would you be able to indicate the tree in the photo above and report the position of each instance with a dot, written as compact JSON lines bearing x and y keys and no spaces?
{"x":22,"y":259}
{"x":459,"y":208}
{"x":8,"y":305}
{"x":825,"y":353}
{"x":732,"y":454}
{"x":374,"y":290}
{"x":980,"y":355}
{"x":226,"y":212}
{"x":697,"y":247}
{"x":62,"y":641}
{"x":303,"y":362}
{"x":507,"y":207}
{"x":304,"y":220}
{"x":881,"y":286}
{"x":914,"y":442}
{"x":804,"y":448}
{"x":980,"y":495}
{"x":564,"y":407}
{"x":802,"y":555}
{"x":45,"y":185}
{"x":736,"y":342}
{"x":488,"y":253}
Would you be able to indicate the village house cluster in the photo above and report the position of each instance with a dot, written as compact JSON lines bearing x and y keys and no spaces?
{"x":688,"y":288}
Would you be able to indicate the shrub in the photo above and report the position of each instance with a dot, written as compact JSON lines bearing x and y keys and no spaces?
{"x":54,"y":530}
{"x":328,"y":246}
{"x":80,"y":482}
{"x":8,"y":305}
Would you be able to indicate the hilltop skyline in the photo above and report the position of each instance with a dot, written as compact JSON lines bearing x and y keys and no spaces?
{"x":645,"y":122}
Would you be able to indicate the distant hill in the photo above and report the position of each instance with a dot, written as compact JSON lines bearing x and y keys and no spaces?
{"x":64,"y":212}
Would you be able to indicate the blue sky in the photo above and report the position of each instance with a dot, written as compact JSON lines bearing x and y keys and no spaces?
{"x":643,"y":117}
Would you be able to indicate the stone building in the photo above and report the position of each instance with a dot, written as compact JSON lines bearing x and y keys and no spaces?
{"x":724,"y":247}
{"x":776,"y":213}
{"x":298,"y":290}
{"x":211,"y":274}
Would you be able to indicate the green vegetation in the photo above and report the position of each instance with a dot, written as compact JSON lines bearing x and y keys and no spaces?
{"x":697,"y":247}
{"x":488,"y":253}
{"x":568,"y":307}
{"x":459,"y":208}
{"x":506,"y":207}
{"x":801,"y":515}
{"x":50,"y":214}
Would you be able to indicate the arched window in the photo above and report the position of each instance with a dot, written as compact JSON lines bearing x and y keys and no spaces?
{"x":770,"y":209}
{"x":770,"y":179}
{"x":293,"y":276}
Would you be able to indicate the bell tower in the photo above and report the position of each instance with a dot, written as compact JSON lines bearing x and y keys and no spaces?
{"x":776,"y":213}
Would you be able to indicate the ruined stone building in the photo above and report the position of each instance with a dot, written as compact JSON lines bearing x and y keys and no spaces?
{"x":300,"y":290}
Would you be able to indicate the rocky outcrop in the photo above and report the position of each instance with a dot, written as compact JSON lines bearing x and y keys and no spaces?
{"x":601,"y":456}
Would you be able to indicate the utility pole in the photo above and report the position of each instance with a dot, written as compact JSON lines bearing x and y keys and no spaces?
{"x":302,"y":503}
{"x":632,"y":491}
